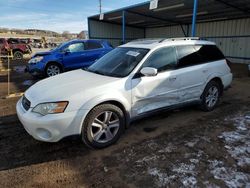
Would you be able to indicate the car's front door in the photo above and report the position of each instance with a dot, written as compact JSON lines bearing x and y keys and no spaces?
{"x":162,"y":90}
{"x":74,"y":56}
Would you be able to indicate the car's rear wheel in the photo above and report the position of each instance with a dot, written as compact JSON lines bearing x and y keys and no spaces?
{"x":103,"y":126}
{"x":52,"y":69}
{"x":211,"y":96}
{"x":18,"y":55}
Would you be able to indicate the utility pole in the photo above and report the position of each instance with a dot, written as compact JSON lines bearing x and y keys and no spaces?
{"x":101,"y":14}
{"x":100,"y":6}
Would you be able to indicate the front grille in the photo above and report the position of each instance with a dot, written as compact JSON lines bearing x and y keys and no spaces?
{"x":26,"y":103}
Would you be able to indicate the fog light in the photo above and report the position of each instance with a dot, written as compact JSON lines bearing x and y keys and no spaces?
{"x":43,"y":134}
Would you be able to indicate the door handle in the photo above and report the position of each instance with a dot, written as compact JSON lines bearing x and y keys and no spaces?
{"x":172,"y":79}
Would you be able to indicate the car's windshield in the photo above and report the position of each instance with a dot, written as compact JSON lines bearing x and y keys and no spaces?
{"x":119,"y":62}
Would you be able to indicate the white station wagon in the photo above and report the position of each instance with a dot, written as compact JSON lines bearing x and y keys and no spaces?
{"x":129,"y":82}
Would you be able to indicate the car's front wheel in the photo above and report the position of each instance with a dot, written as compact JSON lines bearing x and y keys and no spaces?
{"x":103,"y":126}
{"x":211,"y":95}
{"x":52,"y":69}
{"x":18,"y":55}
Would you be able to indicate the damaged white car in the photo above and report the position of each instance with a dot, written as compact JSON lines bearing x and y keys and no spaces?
{"x":131,"y":81}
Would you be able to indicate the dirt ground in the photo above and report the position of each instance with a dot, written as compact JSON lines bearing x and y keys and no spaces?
{"x":180,"y":148}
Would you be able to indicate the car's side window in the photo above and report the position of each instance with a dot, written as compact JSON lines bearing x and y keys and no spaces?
{"x":210,"y":53}
{"x":162,"y":59}
{"x":91,"y":45}
{"x":197,"y":54}
{"x":76,"y":47}
{"x":188,"y":56}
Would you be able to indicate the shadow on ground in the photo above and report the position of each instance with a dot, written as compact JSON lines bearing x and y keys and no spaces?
{"x":20,"y":149}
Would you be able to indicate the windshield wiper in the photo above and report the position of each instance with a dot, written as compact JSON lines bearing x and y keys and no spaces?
{"x":101,"y":73}
{"x":85,"y":68}
{"x":95,"y":71}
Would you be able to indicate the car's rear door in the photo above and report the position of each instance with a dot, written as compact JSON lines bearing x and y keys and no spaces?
{"x":151,"y":93}
{"x":192,"y":71}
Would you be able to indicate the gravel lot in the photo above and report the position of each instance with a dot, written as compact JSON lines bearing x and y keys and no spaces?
{"x":180,"y":148}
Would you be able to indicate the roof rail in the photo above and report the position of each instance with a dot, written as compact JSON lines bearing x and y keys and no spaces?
{"x":182,"y":38}
{"x":148,"y":39}
{"x":160,"y":40}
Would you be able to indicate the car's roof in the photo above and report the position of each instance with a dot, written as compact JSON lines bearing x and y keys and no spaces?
{"x":85,"y":40}
{"x":153,"y":43}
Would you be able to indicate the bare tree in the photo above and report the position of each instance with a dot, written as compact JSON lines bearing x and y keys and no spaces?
{"x":66,"y":34}
{"x":81,"y":35}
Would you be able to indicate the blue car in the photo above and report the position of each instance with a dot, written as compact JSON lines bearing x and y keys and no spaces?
{"x":70,"y":55}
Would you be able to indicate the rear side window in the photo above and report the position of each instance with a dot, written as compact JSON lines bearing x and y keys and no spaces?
{"x":188,"y":56}
{"x":198,"y":54}
{"x":210,"y":53}
{"x":90,"y":45}
{"x":162,"y":59}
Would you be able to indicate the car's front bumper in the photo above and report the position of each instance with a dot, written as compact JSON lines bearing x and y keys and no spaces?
{"x":52,"y":127}
{"x":35,"y":69}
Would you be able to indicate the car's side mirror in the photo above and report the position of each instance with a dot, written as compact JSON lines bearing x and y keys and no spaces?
{"x":66,"y":51}
{"x":149,"y":71}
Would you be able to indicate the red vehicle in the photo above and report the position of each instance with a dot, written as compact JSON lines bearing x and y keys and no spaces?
{"x":18,"y":48}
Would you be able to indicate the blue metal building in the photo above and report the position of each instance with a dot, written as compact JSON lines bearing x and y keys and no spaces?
{"x":227,"y":22}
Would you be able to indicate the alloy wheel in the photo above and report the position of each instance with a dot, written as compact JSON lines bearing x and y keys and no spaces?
{"x":105,"y":127}
{"x":212,"y":96}
{"x":53,"y":70}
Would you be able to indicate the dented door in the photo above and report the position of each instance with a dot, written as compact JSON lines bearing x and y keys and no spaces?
{"x":151,"y":93}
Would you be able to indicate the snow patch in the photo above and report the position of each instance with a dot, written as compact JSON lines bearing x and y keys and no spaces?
{"x":28,"y":82}
{"x":170,"y":147}
{"x":162,"y":179}
{"x":192,"y":143}
{"x":147,"y":159}
{"x":19,"y":69}
{"x":189,"y":181}
{"x":238,"y":141}
{"x":230,"y":176}
{"x":184,"y":168}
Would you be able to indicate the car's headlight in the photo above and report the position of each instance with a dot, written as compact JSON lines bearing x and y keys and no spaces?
{"x":36,"y":59}
{"x":50,"y":108}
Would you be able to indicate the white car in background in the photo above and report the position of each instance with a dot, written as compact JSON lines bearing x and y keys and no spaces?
{"x":131,"y":81}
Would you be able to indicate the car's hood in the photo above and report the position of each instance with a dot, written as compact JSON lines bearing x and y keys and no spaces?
{"x":64,"y":86}
{"x":42,"y":53}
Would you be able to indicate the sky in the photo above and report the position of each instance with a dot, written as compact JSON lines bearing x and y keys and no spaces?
{"x":54,"y":15}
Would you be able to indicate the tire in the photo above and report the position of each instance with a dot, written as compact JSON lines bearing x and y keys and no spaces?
{"x":96,"y":129}
{"x":18,"y":55}
{"x":211,"y":96}
{"x":52,"y":69}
